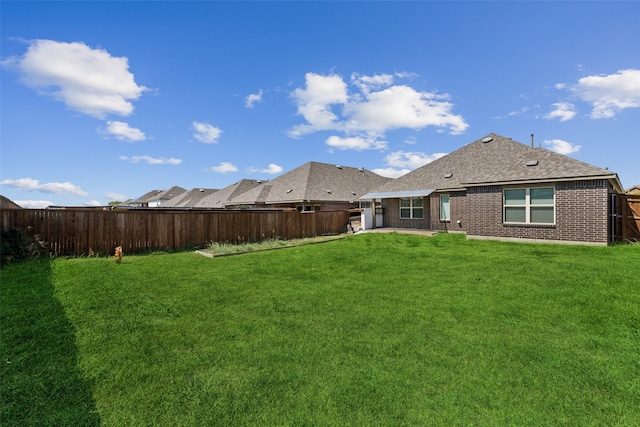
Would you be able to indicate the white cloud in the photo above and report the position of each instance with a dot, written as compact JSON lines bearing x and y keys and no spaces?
{"x":403,"y":162}
{"x":315,"y":101}
{"x":403,"y":107}
{"x":405,"y":74}
{"x":513,"y":113}
{"x":272,"y":169}
{"x":33,"y":204}
{"x":93,"y":203}
{"x":411,"y":160}
{"x":30,"y":184}
{"x":563,"y":111}
{"x":560,"y":146}
{"x":373,"y":108}
{"x":391,"y":172}
{"x":151,"y":160}
{"x":122,"y":131}
{"x":368,"y":83}
{"x":356,"y":143}
{"x":205,"y":132}
{"x":610,"y":94}
{"x":253,"y":98}
{"x":224,"y":167}
{"x":87,"y":80}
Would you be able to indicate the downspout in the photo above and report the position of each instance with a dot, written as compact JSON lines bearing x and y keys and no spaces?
{"x":373,"y":214}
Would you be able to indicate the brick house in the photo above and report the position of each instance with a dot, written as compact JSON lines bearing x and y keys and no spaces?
{"x":311,"y":187}
{"x":497,"y":188}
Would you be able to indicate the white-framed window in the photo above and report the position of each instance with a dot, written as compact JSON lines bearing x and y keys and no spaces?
{"x":411,"y":208}
{"x":445,"y":208}
{"x":536,"y":205}
{"x":308,"y":208}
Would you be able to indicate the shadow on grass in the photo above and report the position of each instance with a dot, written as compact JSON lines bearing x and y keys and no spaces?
{"x":41,"y":383}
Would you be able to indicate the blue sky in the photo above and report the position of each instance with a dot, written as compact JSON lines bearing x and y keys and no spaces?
{"x":105,"y":101}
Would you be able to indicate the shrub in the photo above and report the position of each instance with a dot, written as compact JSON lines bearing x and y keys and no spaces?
{"x":15,"y":245}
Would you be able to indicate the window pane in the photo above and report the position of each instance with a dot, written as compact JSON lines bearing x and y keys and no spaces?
{"x":417,"y":202}
{"x":444,"y":207}
{"x":512,"y":214}
{"x":417,"y":213}
{"x":515,"y":197}
{"x":542,"y":196}
{"x":540,"y":215}
{"x":405,"y":213}
{"x":405,"y":202}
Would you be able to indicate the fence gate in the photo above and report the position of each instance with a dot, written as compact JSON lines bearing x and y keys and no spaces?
{"x":626,"y":218}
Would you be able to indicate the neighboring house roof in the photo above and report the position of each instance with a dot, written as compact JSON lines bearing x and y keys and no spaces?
{"x":314,"y":182}
{"x":155,"y":195}
{"x":125,"y":203}
{"x":189,"y":199}
{"x":493,"y":160}
{"x":145,"y":197}
{"x":634,"y":190}
{"x":168,"y":194}
{"x":221,"y":197}
{"x":6,"y":203}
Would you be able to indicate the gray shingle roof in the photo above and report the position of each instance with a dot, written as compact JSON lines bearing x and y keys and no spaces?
{"x":147,"y":196}
{"x":189,"y":199}
{"x":500,"y":160}
{"x":160,"y":195}
{"x":169,"y":194}
{"x":221,"y":197}
{"x":315,"y":182}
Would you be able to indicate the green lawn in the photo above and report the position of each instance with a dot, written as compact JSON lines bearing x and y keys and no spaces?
{"x":374,"y":329}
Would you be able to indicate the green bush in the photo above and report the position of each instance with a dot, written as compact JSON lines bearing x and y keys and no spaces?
{"x":17,"y":246}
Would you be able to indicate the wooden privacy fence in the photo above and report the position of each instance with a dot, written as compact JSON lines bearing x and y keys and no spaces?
{"x":80,"y":231}
{"x":628,"y":212}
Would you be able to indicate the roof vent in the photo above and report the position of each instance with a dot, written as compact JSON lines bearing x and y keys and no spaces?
{"x":329,"y":191}
{"x":532,"y":163}
{"x":487,"y":139}
{"x":289,"y":190}
{"x":202,"y":190}
{"x":361,"y":169}
{"x":448,"y":175}
{"x":339,"y":167}
{"x":353,"y":192}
